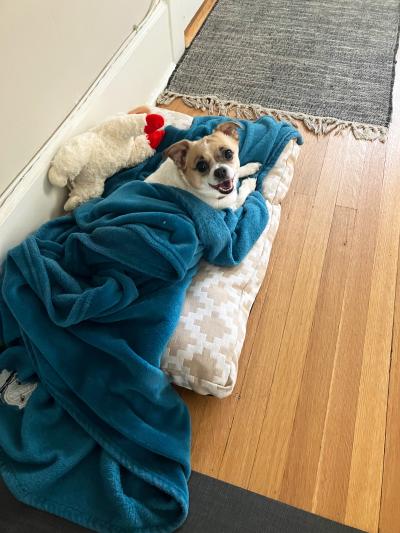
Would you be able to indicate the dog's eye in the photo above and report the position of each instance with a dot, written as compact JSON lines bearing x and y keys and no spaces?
{"x":202,"y":166}
{"x":228,"y":154}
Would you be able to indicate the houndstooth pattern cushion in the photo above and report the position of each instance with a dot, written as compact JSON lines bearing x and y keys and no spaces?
{"x":203,"y":354}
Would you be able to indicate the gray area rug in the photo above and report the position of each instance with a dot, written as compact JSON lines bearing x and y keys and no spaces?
{"x":215,"y":507}
{"x":328,"y":63}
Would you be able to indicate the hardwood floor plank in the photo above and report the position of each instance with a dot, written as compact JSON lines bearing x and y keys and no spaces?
{"x":390,"y":509}
{"x":196,"y":407}
{"x":389,"y":521}
{"x":268,"y":468}
{"x":330,"y":495}
{"x":311,"y":162}
{"x":363,"y":502}
{"x":212,"y":425}
{"x":353,"y":163}
{"x":301,"y":468}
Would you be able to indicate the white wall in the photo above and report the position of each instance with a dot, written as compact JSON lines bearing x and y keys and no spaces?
{"x":135,"y":74}
{"x":50,"y":53}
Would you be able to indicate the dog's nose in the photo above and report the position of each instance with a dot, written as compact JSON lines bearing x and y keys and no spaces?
{"x":220,"y":173}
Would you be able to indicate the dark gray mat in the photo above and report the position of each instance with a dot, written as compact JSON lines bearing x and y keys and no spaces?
{"x":215,"y":507}
{"x":329,"y":63}
{"x":218,"y":507}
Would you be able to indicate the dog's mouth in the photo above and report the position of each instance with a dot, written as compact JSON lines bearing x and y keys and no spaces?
{"x":225,"y":187}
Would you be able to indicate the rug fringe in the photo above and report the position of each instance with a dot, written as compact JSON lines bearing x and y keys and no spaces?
{"x":318,"y":125}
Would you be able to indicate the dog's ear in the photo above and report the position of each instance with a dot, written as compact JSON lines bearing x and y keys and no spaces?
{"x":229,"y":128}
{"x":178,"y":153}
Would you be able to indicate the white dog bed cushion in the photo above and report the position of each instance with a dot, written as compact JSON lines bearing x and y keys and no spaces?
{"x":203,"y":354}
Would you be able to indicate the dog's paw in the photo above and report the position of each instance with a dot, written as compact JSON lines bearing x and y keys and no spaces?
{"x":57,"y":178}
{"x":252,"y":168}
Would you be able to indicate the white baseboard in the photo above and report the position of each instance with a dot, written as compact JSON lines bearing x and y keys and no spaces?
{"x":181,"y":13}
{"x":135,"y":75}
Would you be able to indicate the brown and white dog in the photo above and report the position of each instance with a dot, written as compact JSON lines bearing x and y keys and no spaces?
{"x":209,"y":168}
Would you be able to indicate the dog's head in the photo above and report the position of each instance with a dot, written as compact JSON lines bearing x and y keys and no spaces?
{"x":211,"y":164}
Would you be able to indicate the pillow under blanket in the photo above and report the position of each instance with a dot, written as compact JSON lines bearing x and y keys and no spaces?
{"x":204,"y":352}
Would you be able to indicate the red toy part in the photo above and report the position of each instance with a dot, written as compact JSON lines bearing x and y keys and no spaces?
{"x":155,"y":138}
{"x":154,"y":122}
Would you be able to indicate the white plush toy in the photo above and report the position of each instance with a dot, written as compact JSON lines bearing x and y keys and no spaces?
{"x":84,"y":162}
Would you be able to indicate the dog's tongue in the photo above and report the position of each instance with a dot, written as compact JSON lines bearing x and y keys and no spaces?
{"x":226,"y":186}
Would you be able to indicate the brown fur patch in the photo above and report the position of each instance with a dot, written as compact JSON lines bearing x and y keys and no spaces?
{"x":229,"y":128}
{"x":178,"y":153}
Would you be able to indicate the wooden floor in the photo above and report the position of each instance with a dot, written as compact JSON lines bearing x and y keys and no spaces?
{"x":314,"y":420}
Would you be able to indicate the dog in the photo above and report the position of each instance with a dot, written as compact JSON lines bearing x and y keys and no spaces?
{"x":209,"y":168}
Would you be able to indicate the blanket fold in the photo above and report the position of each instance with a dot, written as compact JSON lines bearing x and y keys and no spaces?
{"x":88,"y":304}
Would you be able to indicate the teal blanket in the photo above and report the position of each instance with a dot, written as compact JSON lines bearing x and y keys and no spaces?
{"x":88,"y":304}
